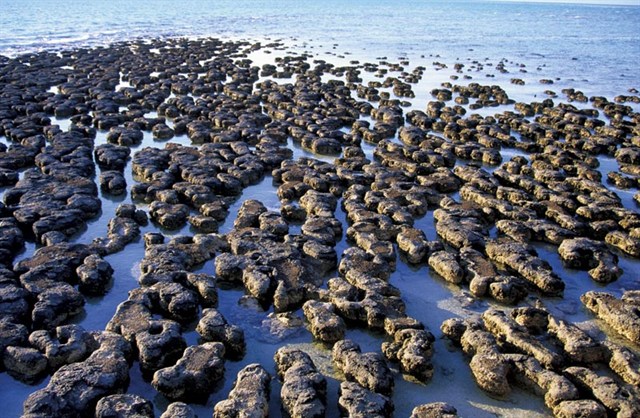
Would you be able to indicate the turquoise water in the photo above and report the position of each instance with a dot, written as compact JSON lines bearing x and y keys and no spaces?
{"x":593,"y":48}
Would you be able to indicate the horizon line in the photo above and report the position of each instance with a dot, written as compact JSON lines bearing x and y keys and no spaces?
{"x":634,"y":3}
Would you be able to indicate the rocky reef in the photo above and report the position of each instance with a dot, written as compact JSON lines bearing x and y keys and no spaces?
{"x":119,"y":149}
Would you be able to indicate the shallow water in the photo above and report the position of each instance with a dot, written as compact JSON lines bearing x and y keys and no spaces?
{"x":428,"y":298}
{"x":544,"y":38}
{"x":596,"y":43}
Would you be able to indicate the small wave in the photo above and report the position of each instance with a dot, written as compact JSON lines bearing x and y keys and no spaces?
{"x":65,"y":39}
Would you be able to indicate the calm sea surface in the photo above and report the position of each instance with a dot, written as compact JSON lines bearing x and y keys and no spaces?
{"x":592,"y":48}
{"x":600,"y":44}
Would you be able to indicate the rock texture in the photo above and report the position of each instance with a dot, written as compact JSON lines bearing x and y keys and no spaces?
{"x":249,"y":396}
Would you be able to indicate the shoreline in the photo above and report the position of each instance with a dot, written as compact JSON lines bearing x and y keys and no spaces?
{"x":418,"y":181}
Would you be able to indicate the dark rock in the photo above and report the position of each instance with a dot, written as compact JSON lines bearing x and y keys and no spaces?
{"x":178,"y":410}
{"x":123,"y":136}
{"x":162,"y":131}
{"x":168,"y":215}
{"x":94,"y":274}
{"x":273,"y":223}
{"x":249,"y":396}
{"x":326,"y":325}
{"x":356,"y":401}
{"x":324,"y":229}
{"x":113,"y":182}
{"x":323,"y":258}
{"x":12,"y":334}
{"x":124,"y":405}
{"x":24,"y":363}
{"x":179,"y":254}
{"x":214,"y":327}
{"x":65,"y":345}
{"x":249,"y":214}
{"x":160,"y":345}
{"x":14,"y":303}
{"x":620,"y":316}
{"x":206,"y":287}
{"x":75,"y":389}
{"x":176,"y":301}
{"x":229,"y":267}
{"x":11,"y":239}
{"x":584,"y":253}
{"x":112,"y":157}
{"x":55,"y":305}
{"x":434,"y":410}
{"x":369,"y":370}
{"x":131,"y":317}
{"x":194,"y":375}
{"x":304,"y":390}
{"x":203,"y":224}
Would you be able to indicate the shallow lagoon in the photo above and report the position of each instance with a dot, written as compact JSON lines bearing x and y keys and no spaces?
{"x":428,"y":298}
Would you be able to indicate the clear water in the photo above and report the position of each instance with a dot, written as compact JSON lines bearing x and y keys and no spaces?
{"x":597,"y":43}
{"x":592,"y":48}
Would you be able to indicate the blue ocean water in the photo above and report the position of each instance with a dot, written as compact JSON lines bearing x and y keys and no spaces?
{"x":596,"y":43}
{"x":593,"y":48}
